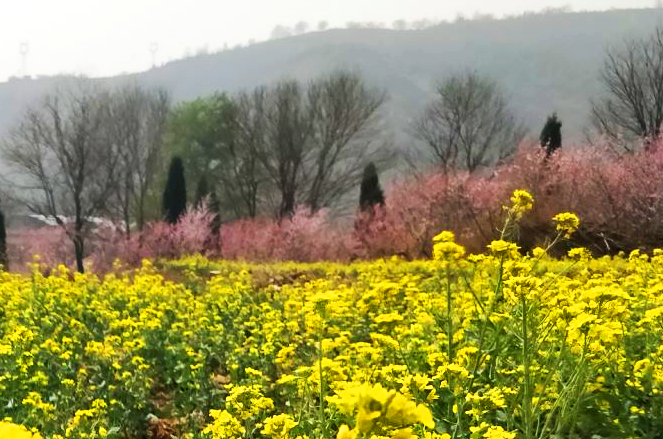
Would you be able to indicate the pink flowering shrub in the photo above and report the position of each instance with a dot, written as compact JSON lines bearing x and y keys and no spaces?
{"x":418,"y":209}
{"x":192,"y":234}
{"x":249,"y":239}
{"x":619,"y":200}
{"x":48,"y":245}
{"x":106,"y":244}
{"x":304,"y":237}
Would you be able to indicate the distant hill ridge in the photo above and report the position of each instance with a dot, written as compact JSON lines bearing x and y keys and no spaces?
{"x":545,"y":62}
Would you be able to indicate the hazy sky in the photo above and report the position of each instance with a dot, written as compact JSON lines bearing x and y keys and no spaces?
{"x":105,"y":37}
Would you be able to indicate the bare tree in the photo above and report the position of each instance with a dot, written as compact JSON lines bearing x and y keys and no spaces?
{"x":242,"y":180}
{"x":323,"y":25}
{"x":633,"y":80}
{"x":434,"y":128}
{"x":124,"y":132}
{"x":469,"y":124}
{"x":313,"y":141}
{"x":138,"y":120}
{"x":65,"y":161}
{"x":344,"y":116}
{"x":149,"y":158}
{"x":288,"y":130}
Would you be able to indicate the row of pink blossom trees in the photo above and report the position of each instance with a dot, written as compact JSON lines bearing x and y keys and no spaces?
{"x":618,"y":198}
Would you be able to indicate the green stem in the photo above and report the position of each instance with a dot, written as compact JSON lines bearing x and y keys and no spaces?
{"x":527,"y":390}
{"x":449,"y":317}
{"x":450,"y":338}
{"x":468,"y":387}
{"x":321,"y":411}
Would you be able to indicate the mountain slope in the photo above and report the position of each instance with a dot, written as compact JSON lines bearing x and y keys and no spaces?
{"x":544,"y":63}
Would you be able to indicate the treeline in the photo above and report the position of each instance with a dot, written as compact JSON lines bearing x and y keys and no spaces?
{"x":267,"y":150}
{"x":86,"y":156}
{"x":302,"y":27}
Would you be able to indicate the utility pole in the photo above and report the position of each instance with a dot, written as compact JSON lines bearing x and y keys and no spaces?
{"x":23,"y":49}
{"x":154,"y":47}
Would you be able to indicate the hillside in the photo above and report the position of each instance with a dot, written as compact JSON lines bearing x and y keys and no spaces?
{"x":545,"y":63}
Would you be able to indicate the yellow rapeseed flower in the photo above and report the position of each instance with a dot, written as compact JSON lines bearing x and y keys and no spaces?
{"x":502,"y":248}
{"x":444,"y":236}
{"x":566,"y":223}
{"x":346,"y":433}
{"x":13,"y":431}
{"x":378,"y":408}
{"x":522,"y":201}
{"x":224,"y":426}
{"x":444,"y":247}
{"x":278,"y":426}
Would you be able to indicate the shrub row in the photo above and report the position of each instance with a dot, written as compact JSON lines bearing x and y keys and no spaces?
{"x":618,"y":198}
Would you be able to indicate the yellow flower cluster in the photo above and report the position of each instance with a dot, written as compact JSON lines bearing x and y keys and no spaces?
{"x":502,"y":248}
{"x":278,"y":426}
{"x":566,"y":223}
{"x":444,"y":247}
{"x":521,"y":202}
{"x":247,"y":401}
{"x":492,"y":432}
{"x":224,"y":426}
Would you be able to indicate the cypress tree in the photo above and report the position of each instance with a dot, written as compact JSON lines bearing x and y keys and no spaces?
{"x":4,"y":260}
{"x":174,"y":195}
{"x":551,"y":135}
{"x":370,"y":192}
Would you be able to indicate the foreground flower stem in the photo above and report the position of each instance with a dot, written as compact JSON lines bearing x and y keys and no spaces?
{"x":321,"y":409}
{"x":449,"y":317}
{"x":450,"y":334}
{"x":481,"y":355}
{"x":527,"y":390}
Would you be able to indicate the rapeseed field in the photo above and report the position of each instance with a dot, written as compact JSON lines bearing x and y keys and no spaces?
{"x":500,"y":345}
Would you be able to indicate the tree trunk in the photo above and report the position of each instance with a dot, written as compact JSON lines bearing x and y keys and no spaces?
{"x":127,"y":224}
{"x":79,"y":249}
{"x":287,"y":205}
{"x":4,"y":259}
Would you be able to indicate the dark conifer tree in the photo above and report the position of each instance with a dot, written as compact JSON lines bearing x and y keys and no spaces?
{"x":4,"y":260}
{"x":551,"y":135}
{"x":371,"y":193}
{"x":174,"y":195}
